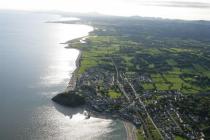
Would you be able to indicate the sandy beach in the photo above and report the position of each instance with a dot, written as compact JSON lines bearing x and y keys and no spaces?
{"x":130,"y":131}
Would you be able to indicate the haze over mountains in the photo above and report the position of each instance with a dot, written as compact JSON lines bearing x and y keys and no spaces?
{"x":178,"y":9}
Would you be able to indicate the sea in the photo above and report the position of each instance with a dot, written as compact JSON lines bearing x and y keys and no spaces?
{"x":34,"y":67}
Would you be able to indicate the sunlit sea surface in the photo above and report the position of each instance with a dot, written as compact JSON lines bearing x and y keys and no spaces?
{"x":34,"y":67}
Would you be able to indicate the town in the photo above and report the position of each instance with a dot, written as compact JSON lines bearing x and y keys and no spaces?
{"x":138,"y":78}
{"x":117,"y":98}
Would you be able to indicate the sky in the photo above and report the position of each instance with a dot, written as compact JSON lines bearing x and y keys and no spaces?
{"x":180,"y":9}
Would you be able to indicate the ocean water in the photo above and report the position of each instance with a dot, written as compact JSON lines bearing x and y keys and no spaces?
{"x":34,"y":67}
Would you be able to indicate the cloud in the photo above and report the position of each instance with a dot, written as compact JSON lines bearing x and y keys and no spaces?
{"x":183,"y":4}
{"x":171,"y":3}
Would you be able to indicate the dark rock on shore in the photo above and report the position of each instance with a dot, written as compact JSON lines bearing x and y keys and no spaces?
{"x":70,"y":99}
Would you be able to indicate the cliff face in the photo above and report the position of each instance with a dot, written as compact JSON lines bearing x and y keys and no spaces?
{"x":69,"y":99}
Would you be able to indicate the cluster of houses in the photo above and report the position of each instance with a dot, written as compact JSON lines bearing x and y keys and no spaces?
{"x":134,"y":106}
{"x":167,"y":117}
{"x":97,"y":78}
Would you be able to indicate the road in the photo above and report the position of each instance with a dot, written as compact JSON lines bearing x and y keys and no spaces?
{"x":140,"y":101}
{"x":136,"y":95}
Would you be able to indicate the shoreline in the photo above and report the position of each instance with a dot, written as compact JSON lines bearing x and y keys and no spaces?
{"x":129,"y":128}
{"x":131,"y":131}
{"x":73,"y":80}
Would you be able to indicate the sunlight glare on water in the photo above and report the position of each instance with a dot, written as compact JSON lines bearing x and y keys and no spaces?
{"x":62,"y":62}
{"x":34,"y":68}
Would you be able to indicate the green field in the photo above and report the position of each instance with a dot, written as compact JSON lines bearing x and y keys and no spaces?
{"x":168,"y":56}
{"x":148,"y":86}
{"x":179,"y":138}
{"x":113,"y":94}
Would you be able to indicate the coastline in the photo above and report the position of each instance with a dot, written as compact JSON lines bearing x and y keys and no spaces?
{"x":129,"y":128}
{"x":73,"y":80}
{"x":131,"y":131}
